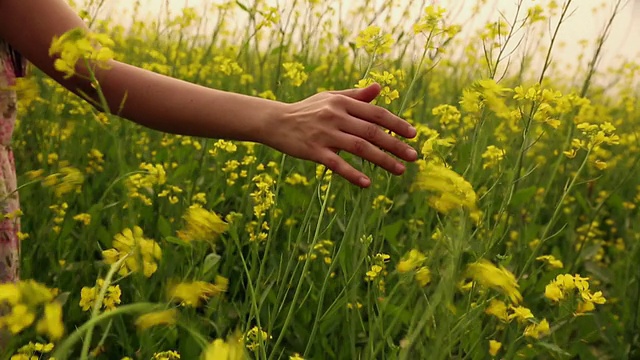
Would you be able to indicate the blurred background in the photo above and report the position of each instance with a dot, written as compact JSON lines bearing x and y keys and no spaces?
{"x":588,"y":19}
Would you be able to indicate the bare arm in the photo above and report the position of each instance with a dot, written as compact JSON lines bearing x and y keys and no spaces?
{"x":312,"y":129}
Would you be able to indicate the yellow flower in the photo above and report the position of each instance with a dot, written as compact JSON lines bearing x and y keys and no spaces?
{"x":34,"y":293}
{"x":232,"y":349}
{"x":44,"y":348}
{"x":71,"y":180}
{"x":566,"y":282}
{"x":296,"y":356}
{"x":112,"y":297}
{"x":537,"y":331}
{"x":494,"y":347}
{"x":76,"y":45}
{"x":255,"y":337}
{"x":83,"y":218}
{"x":423,"y":276}
{"x":263,"y":197}
{"x":202,"y":225}
{"x":109,"y":302}
{"x":553,"y":292}
{"x":51,"y":322}
{"x":448,"y":190}
{"x":600,"y":165}
{"x":551,"y":260}
{"x":521,"y":314}
{"x":140,"y":252}
{"x":373,"y":272}
{"x":20,"y":318}
{"x":595,"y":298}
{"x":193,"y":293}
{"x":501,"y":279}
{"x":373,"y":41}
{"x":295,"y":72}
{"x":411,"y":261}
{"x":9,"y":293}
{"x":382,"y":202}
{"x":498,"y":309}
{"x":492,"y":156}
{"x":164,"y":317}
{"x":585,"y":307}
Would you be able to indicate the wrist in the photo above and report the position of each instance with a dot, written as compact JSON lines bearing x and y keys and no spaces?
{"x":270,"y":120}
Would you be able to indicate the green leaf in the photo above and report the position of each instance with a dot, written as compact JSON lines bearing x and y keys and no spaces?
{"x":177,"y":241}
{"x":390,"y":232}
{"x":243,"y":7}
{"x":63,"y":297}
{"x":164,"y":227}
{"x":209,"y":264}
{"x":523,"y":195}
{"x":553,"y":348}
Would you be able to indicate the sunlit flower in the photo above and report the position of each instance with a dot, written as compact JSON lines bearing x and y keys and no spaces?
{"x":232,"y":349}
{"x":202,"y":225}
{"x":498,"y":309}
{"x":538,"y":330}
{"x":494,"y":347}
{"x":194,"y":293}
{"x":498,"y":278}
{"x":141,"y":253}
{"x":51,"y":323}
{"x":164,"y":317}
{"x":255,"y":337}
{"x":551,"y":260}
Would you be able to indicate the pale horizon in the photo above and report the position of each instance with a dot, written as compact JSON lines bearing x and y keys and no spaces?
{"x":583,"y":24}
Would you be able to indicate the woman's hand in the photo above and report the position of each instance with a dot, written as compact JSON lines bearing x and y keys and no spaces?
{"x":318,"y":127}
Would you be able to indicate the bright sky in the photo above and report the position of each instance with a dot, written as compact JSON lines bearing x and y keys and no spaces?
{"x":583,"y":24}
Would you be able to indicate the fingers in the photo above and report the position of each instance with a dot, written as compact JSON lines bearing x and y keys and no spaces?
{"x":339,"y":166}
{"x":366,"y":150}
{"x":374,"y":134}
{"x":362,"y":148}
{"x":381,"y":116}
{"x":364,"y":95}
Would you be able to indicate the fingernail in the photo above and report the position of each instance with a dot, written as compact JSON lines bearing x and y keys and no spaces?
{"x":400,"y":168}
{"x":412,"y":154}
{"x":364,"y":182}
{"x":412,"y":131}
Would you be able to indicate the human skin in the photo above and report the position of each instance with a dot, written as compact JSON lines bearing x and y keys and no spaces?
{"x":314,"y":129}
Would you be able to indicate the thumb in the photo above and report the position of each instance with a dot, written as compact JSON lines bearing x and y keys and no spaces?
{"x":365,"y":94}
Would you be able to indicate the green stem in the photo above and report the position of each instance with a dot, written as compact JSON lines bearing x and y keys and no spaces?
{"x":65,"y":347}
{"x":305,"y":268}
{"x":554,"y":217}
{"x":97,"y":304}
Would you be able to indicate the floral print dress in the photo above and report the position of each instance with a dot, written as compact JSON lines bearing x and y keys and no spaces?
{"x":9,"y":202}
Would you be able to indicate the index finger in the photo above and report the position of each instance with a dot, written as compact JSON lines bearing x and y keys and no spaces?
{"x":381,"y":116}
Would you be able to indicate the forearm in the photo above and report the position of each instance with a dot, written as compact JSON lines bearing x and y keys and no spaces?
{"x":153,"y":100}
{"x":171,"y":105}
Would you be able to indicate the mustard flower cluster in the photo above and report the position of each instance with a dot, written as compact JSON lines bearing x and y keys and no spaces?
{"x":195,"y":293}
{"x":141,"y":185}
{"x":78,"y":45}
{"x":414,"y":262}
{"x":448,"y":191}
{"x":89,"y":295}
{"x":565,"y":286}
{"x":25,"y":302}
{"x":294,"y":71}
{"x":374,"y":41}
{"x":201,"y":225}
{"x":139,"y":252}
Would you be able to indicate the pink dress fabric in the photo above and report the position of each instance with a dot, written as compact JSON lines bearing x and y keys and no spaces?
{"x":9,"y":202}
